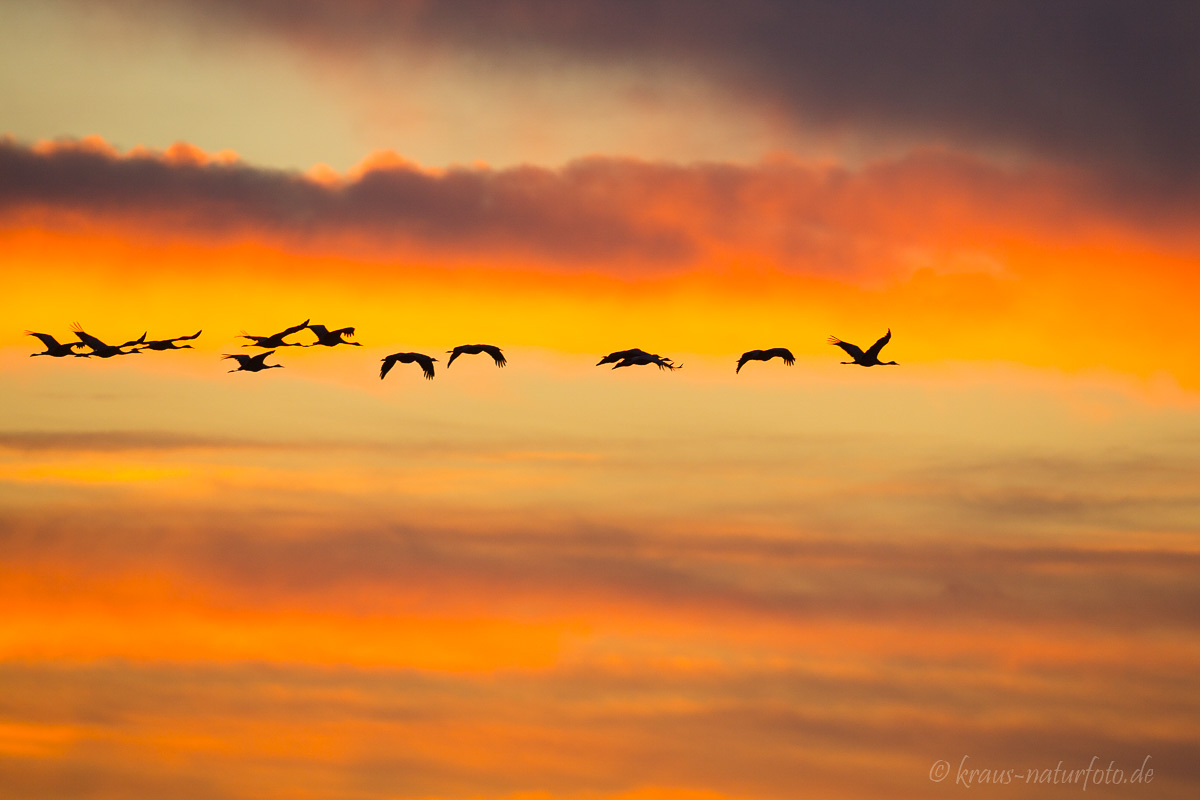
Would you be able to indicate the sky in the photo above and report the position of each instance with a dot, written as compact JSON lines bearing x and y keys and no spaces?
{"x":556,"y":580}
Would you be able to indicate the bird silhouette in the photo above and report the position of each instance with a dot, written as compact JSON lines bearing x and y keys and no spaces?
{"x":407,"y":358}
{"x":275,"y":340}
{"x":476,"y":349}
{"x":330,"y":338}
{"x":54,"y":348}
{"x":621,"y":355}
{"x":646,"y":358}
{"x":766,"y":355}
{"x":869,"y":358}
{"x":102,"y":350}
{"x":169,"y":344}
{"x":253,"y":363}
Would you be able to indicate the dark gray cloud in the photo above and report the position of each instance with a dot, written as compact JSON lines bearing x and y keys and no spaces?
{"x":1105,"y":83}
{"x":565,"y":214}
{"x":617,"y":215}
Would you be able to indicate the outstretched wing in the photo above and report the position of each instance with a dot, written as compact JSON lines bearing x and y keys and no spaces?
{"x":747,"y":356}
{"x":320,"y":330}
{"x":388,"y":363}
{"x":854,"y":350}
{"x":294,"y":329}
{"x":782,"y":352}
{"x":261,"y":358}
{"x":140,"y":340}
{"x":455,"y":353}
{"x":242,"y":359}
{"x":426,"y":365}
{"x":344,"y":333}
{"x":47,"y":339}
{"x":185,"y":338}
{"x":495,"y":353}
{"x":87,"y":338}
{"x":875,"y":348}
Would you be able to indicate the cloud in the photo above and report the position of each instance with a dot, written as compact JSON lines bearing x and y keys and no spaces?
{"x":613,"y":215}
{"x":363,"y":566}
{"x":1096,"y":82}
{"x":116,"y":441}
{"x":552,"y":214}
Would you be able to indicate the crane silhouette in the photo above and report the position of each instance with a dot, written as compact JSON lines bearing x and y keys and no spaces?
{"x":275,"y":340}
{"x":621,"y":355}
{"x":766,"y":355}
{"x":54,"y":348}
{"x":646,"y":358}
{"x":169,"y":344}
{"x":407,"y":358}
{"x":476,"y":349}
{"x":102,"y":350}
{"x":253,"y":363}
{"x":330,"y":338}
{"x":869,"y":358}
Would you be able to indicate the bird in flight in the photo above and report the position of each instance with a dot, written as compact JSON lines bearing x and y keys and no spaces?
{"x":253,"y":363}
{"x":766,"y":355}
{"x":476,"y":349}
{"x":621,"y":355}
{"x":275,"y":340}
{"x":407,"y":358}
{"x":646,"y":358}
{"x":102,"y":350}
{"x":869,"y":358}
{"x":330,"y":338}
{"x":54,"y":348}
{"x":169,"y":344}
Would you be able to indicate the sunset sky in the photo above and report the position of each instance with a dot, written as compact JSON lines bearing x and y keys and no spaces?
{"x":558,"y":581}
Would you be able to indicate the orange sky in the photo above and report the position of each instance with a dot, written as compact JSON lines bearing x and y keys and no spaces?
{"x":1031,"y":270}
{"x":559,"y":581}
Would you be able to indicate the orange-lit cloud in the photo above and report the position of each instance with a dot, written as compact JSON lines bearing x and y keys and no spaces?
{"x":598,"y":663}
{"x":940,"y":211}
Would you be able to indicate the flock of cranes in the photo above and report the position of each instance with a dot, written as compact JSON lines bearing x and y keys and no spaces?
{"x":327,"y":338}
